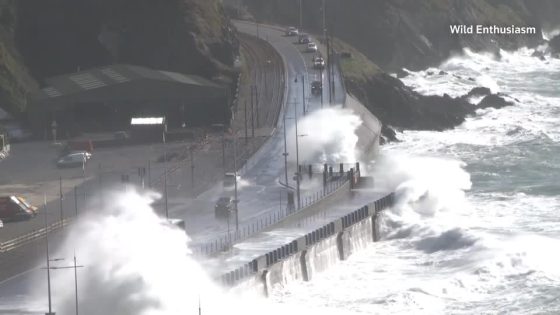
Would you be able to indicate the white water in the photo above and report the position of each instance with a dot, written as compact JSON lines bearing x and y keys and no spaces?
{"x":476,"y":227}
{"x":326,"y":136}
{"x":136,"y":263}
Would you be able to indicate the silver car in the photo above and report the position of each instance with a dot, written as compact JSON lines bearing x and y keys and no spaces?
{"x":74,"y":159}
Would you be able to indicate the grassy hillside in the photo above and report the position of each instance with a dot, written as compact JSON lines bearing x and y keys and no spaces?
{"x":15,"y":81}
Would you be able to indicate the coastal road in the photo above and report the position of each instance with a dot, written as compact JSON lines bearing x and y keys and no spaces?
{"x":259,"y":192}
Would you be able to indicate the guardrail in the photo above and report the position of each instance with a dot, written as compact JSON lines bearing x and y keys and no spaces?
{"x":32,"y":236}
{"x":227,"y":240}
{"x":333,"y":181}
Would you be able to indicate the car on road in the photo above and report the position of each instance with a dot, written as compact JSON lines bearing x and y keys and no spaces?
{"x":223,"y":207}
{"x":316,"y":87}
{"x":303,"y":39}
{"x":292,"y":31}
{"x":74,"y":159}
{"x":1,"y":224}
{"x":229,"y":180}
{"x":319,"y":63}
{"x":311,"y":47}
{"x":15,"y":208}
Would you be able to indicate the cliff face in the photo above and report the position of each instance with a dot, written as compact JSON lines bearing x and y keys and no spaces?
{"x":61,"y":36}
{"x":410,"y":33}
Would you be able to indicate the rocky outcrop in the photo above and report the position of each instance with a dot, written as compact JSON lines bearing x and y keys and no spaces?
{"x":554,"y":45}
{"x":494,"y":101}
{"x":399,"y":106}
{"x":412,"y":34}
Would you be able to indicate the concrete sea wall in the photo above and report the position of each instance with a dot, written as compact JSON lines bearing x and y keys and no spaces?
{"x":312,"y":253}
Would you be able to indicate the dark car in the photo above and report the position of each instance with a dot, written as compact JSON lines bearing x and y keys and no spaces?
{"x":316,"y":87}
{"x":74,"y":159}
{"x":223,"y":207}
{"x":319,"y":63}
{"x":304,"y":39}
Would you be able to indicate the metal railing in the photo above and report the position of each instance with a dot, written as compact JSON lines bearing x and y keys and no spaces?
{"x":227,"y":240}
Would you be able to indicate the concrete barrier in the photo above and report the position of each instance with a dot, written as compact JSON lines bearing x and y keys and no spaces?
{"x":313,"y":252}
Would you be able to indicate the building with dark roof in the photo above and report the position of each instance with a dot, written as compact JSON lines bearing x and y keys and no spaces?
{"x":105,"y":99}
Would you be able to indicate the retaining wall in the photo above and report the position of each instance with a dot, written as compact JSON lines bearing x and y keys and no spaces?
{"x":314,"y":252}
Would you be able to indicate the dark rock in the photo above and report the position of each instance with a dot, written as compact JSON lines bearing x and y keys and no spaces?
{"x":471,"y":79}
{"x":479,"y":91}
{"x":538,"y":54}
{"x":494,"y":101}
{"x":442,"y":72}
{"x":388,"y":134}
{"x":429,"y":73}
{"x":401,"y":73}
{"x":554,"y":44}
{"x":397,"y":105}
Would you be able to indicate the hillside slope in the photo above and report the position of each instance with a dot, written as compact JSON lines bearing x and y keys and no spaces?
{"x":410,"y":33}
{"x":15,"y":81}
{"x":52,"y":37}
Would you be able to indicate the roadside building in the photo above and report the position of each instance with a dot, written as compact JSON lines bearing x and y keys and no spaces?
{"x":107,"y":98}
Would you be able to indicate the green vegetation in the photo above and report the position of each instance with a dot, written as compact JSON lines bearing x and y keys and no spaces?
{"x":356,"y":66}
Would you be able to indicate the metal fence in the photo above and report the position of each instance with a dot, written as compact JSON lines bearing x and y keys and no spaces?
{"x":258,"y":224}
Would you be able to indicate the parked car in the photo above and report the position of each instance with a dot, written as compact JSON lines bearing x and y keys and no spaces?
{"x":316,"y":87}
{"x":1,"y":224}
{"x":319,"y":63}
{"x":74,"y":159}
{"x":303,"y":39}
{"x":15,"y":208}
{"x":292,"y":31}
{"x":311,"y":47}
{"x":223,"y":207}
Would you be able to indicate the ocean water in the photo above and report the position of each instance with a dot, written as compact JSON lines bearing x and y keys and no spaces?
{"x":477,"y":226}
{"x":476,"y":229}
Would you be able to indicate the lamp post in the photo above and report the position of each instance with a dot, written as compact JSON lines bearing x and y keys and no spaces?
{"x":165,"y":171}
{"x":48,"y":257}
{"x":297,"y":157}
{"x":235,"y":182}
{"x":285,"y":154}
{"x":300,"y":15}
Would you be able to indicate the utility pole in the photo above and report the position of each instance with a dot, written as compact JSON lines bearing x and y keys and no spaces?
{"x":224,"y":148}
{"x":48,"y":257}
{"x":76,"y":200}
{"x":192,"y":168}
{"x":329,"y":61}
{"x":300,"y":15}
{"x":321,"y":76}
{"x":285,"y":151}
{"x":257,"y":105}
{"x":297,"y":158}
{"x":252,"y":113}
{"x":235,"y":187}
{"x":303,"y":92}
{"x":324,"y":20}
{"x":61,"y":198}
{"x":75,"y":266}
{"x":76,"y":282}
{"x":165,"y":172}
{"x":334,"y":59}
{"x":246,"y":131}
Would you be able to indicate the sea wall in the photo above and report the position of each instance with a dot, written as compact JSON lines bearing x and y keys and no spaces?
{"x":311,"y":253}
